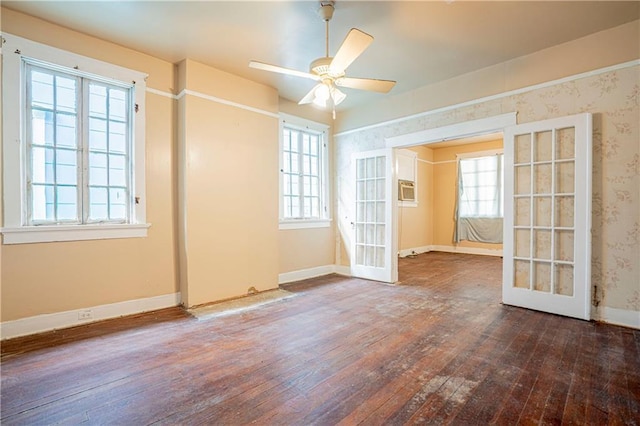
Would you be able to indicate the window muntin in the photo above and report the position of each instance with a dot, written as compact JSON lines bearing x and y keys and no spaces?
{"x":303,"y":174}
{"x":480,"y":186}
{"x":78,"y":148}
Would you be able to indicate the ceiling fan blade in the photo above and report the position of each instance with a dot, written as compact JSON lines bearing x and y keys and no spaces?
{"x":281,"y":70}
{"x":371,"y":84}
{"x":353,"y":45}
{"x":308,"y":98}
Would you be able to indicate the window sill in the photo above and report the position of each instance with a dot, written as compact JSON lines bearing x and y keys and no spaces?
{"x":49,"y":234}
{"x":304,"y":223}
{"x":407,"y":204}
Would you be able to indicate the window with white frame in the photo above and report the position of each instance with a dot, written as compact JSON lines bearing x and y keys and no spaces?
{"x":303,"y":173}
{"x":77,"y":169}
{"x":479,"y":204}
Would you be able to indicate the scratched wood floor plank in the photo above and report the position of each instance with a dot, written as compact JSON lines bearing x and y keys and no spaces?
{"x":438,"y":348}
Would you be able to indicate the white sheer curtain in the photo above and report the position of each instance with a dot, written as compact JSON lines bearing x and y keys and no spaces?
{"x":479,"y":207}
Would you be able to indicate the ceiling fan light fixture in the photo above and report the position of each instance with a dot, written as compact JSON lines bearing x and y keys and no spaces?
{"x":337,"y":95}
{"x":321,"y":95}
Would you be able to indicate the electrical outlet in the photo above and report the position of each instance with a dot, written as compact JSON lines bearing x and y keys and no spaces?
{"x":87,"y":314}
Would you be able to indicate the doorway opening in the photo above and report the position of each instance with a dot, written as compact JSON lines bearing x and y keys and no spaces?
{"x":441,"y":212}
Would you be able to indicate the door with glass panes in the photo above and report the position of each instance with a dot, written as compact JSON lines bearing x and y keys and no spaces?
{"x":547,"y":223}
{"x":373,"y":247}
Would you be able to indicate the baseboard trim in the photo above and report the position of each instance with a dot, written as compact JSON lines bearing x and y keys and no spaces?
{"x":624,"y":317}
{"x":318,"y":271}
{"x":415,"y":250}
{"x":468,"y":250}
{"x":304,"y":274}
{"x":342,"y":270}
{"x":450,"y":249}
{"x":58,"y":320}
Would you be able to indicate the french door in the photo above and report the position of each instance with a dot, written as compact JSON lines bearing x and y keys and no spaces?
{"x":547,"y":223}
{"x":373,"y":249}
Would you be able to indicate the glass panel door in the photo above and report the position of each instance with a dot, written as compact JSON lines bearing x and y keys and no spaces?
{"x":548,"y":216}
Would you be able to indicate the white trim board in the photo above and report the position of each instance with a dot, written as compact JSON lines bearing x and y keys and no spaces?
{"x":58,"y":320}
{"x":318,"y":271}
{"x":215,"y":99}
{"x":616,"y":316}
{"x":450,"y":249}
{"x":494,"y":97}
{"x":453,"y":131}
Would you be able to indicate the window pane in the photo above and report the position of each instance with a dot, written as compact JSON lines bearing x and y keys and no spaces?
{"x":41,"y":89}
{"x":97,"y":134}
{"x":66,"y":130}
{"x":481,"y":188}
{"x":117,"y":104}
{"x":117,"y":137}
{"x":66,"y":167}
{"x":67,"y":203}
{"x":98,"y":204}
{"x":294,"y":139}
{"x":65,"y":94}
{"x":42,"y":165}
{"x":294,"y":164}
{"x":97,"y":101}
{"x":117,"y":170}
{"x":97,"y":169}
{"x":117,"y":204}
{"x":286,"y":140}
{"x":41,"y":127}
{"x":42,"y":201}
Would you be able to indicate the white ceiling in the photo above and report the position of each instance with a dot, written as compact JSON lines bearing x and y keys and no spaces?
{"x":416,"y":42}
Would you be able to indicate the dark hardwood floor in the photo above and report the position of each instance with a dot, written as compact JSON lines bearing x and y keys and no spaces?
{"x":439,"y":348}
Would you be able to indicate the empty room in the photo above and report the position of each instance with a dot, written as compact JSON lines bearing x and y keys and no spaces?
{"x":320,"y":212}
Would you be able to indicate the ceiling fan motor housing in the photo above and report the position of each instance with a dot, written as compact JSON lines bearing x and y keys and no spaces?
{"x":326,"y":10}
{"x":321,"y":67}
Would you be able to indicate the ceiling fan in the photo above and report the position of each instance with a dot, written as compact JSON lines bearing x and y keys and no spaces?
{"x":330,"y":72}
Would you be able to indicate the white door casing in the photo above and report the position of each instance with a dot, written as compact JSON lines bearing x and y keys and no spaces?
{"x":547,"y":223}
{"x":373,"y":248}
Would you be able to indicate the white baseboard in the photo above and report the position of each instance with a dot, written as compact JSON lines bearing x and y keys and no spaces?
{"x":342,"y":270}
{"x":468,"y":250}
{"x":303,"y":274}
{"x":415,"y":250}
{"x":615,"y":316}
{"x":58,"y":320}
{"x":318,"y":271}
{"x":450,"y":249}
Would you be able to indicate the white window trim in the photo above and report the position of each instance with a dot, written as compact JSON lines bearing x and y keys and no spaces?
{"x":414,"y":156}
{"x":304,"y":124}
{"x":14,"y":230}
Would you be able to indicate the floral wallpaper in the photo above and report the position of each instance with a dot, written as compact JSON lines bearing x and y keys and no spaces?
{"x":614,"y":100}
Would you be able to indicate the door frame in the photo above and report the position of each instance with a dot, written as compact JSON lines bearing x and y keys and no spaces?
{"x":482,"y":126}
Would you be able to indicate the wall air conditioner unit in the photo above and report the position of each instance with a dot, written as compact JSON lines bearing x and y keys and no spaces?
{"x":406,"y":190}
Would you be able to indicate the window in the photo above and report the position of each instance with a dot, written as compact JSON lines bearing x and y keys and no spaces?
{"x":480,"y":186}
{"x":77,"y":171}
{"x":479,"y":208}
{"x":303,"y":174}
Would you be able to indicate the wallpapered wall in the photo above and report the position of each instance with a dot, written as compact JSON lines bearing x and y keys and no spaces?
{"x":614,"y":100}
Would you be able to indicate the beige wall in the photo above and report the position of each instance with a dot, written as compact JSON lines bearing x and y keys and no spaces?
{"x":54,"y":277}
{"x":415,"y":224}
{"x":445,"y":177}
{"x":229,"y":180}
